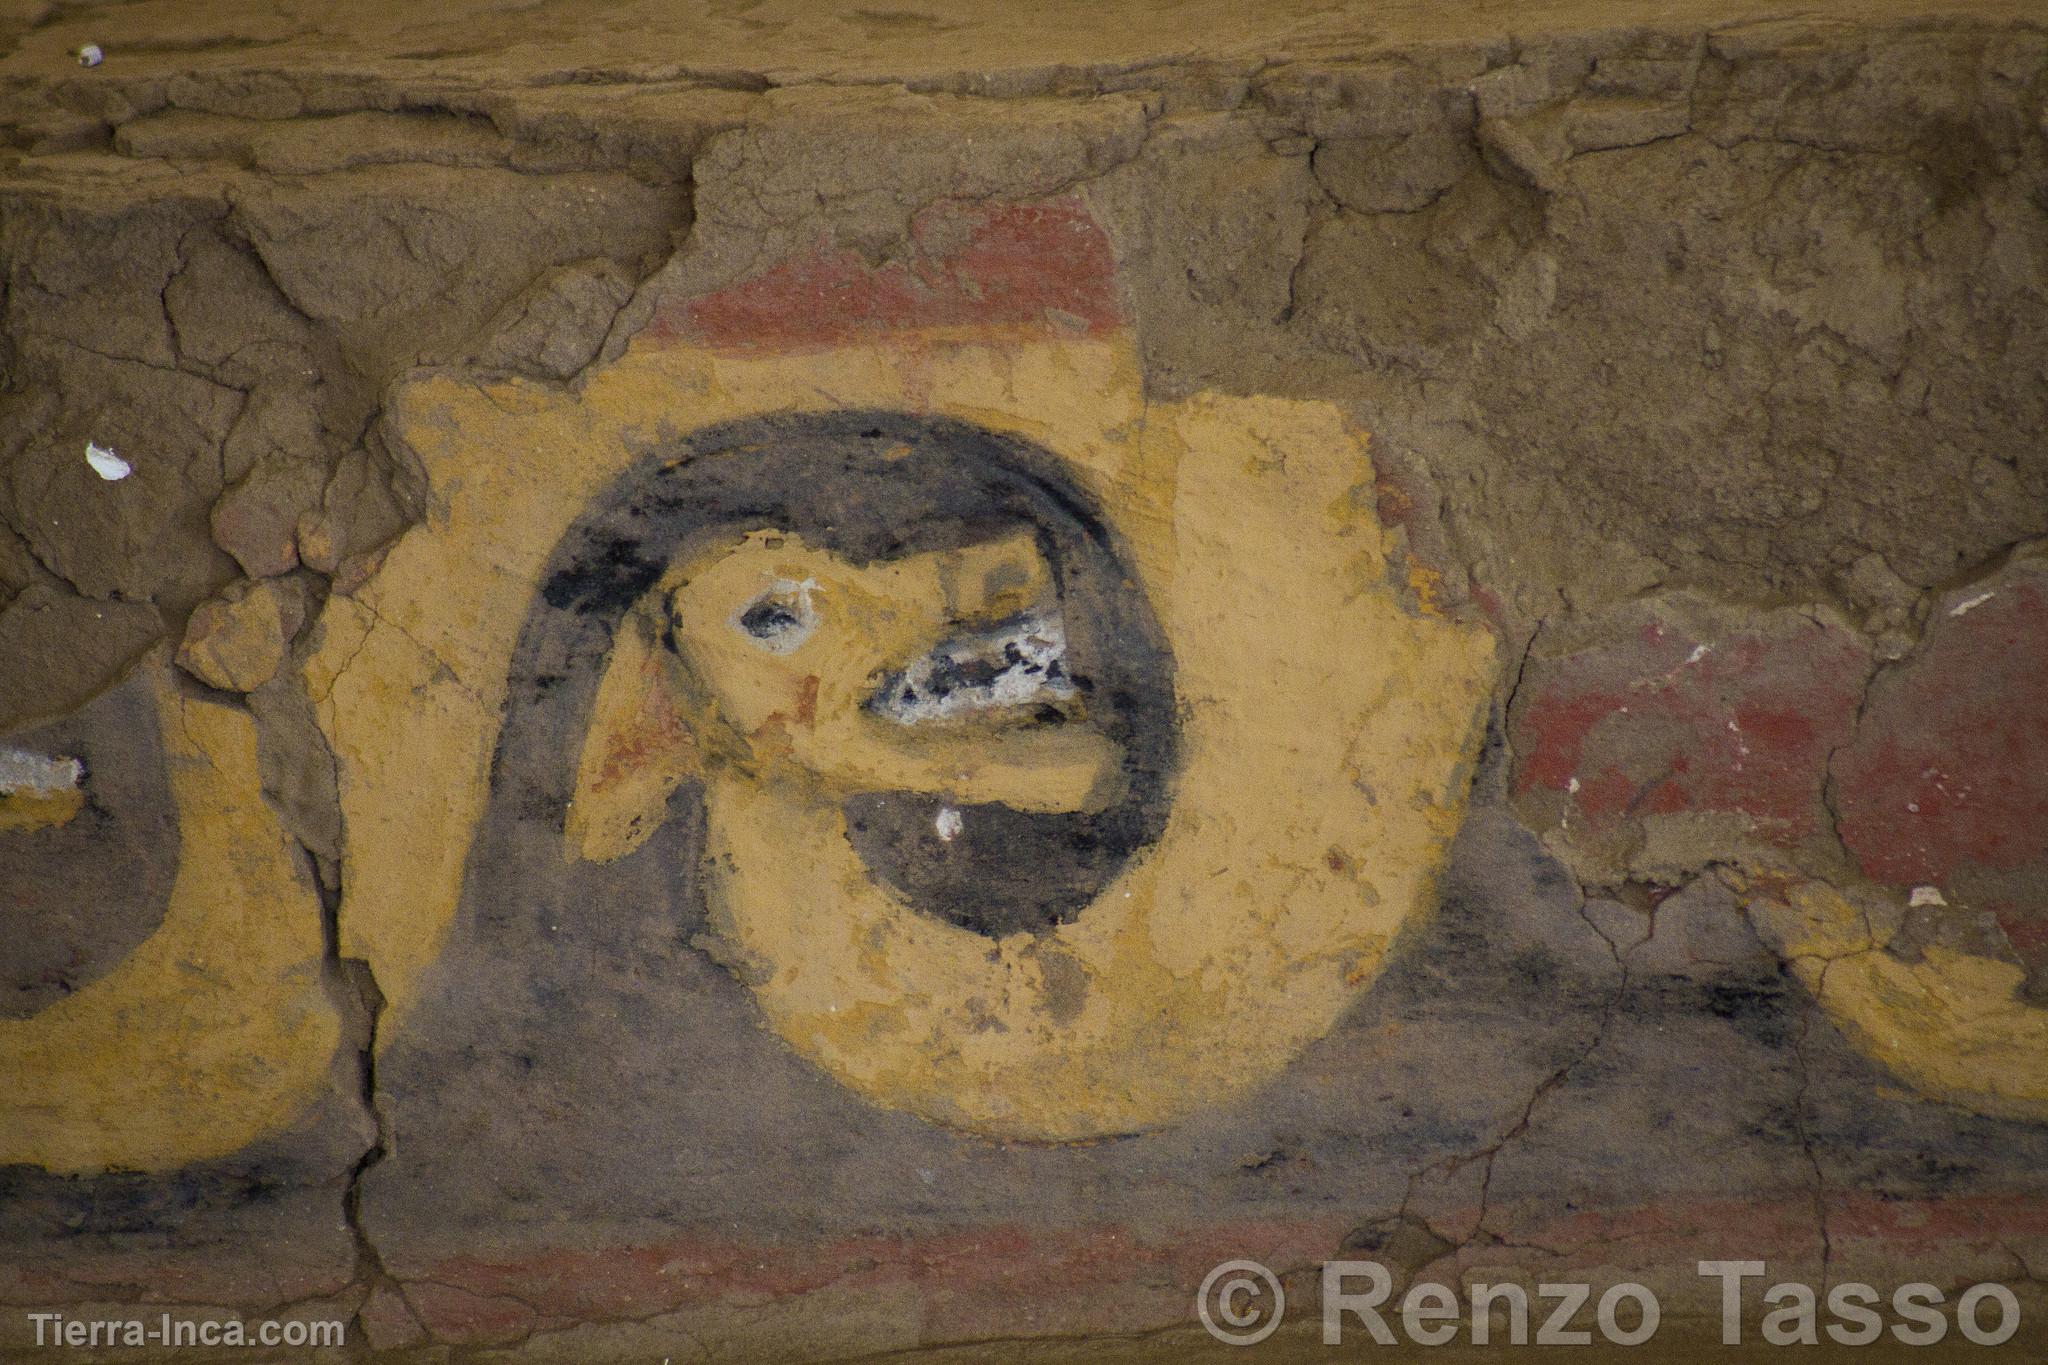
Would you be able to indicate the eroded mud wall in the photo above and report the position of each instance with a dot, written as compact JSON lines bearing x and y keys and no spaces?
{"x":903,"y":698}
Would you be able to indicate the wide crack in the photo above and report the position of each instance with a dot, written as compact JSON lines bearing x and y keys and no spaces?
{"x":351,"y":986}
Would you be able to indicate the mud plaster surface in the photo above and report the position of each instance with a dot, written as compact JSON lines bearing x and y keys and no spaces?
{"x":1742,"y":301}
{"x":1747,"y":303}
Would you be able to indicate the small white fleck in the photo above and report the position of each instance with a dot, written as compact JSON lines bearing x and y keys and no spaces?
{"x":1926,"y":895}
{"x":106,"y":463}
{"x":1979,"y":600}
{"x":949,"y":824}
{"x":1572,"y":785}
{"x":90,"y":55}
{"x":1699,"y":652}
{"x":1913,"y":807}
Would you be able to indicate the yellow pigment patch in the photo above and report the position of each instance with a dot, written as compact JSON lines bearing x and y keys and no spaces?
{"x":1950,"y":1025}
{"x":216,"y":1030}
{"x":22,"y":811}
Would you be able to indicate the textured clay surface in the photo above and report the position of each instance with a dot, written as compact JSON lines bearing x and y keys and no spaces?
{"x":794,"y":681}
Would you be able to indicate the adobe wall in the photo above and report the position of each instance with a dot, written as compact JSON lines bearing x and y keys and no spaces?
{"x":759,"y":683}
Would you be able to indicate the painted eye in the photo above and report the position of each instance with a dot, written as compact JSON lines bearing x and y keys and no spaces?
{"x":780,"y":619}
{"x":766,"y":620}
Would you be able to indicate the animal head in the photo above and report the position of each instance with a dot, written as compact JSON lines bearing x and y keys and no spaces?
{"x":942,"y":673}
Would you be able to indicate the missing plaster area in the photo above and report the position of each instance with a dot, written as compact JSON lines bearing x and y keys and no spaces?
{"x":24,"y":773}
{"x":1018,"y":664}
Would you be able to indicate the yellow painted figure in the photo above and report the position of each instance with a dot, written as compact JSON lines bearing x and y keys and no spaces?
{"x":1277,"y":835}
{"x":1950,"y":1024}
{"x":215,"y":1030}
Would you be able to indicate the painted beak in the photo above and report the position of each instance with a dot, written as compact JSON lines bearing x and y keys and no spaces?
{"x":1013,"y":672}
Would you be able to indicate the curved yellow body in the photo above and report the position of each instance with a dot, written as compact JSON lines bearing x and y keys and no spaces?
{"x":1950,"y":1025}
{"x":215,"y":1031}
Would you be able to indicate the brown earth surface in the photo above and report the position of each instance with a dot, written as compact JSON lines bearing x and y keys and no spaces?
{"x":1703,"y":352}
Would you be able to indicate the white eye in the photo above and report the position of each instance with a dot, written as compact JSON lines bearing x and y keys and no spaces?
{"x":780,"y":619}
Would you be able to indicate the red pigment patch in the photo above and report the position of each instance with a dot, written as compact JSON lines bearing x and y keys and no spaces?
{"x":1661,"y":723}
{"x":1949,"y":771}
{"x":973,"y":1281}
{"x":1008,"y":1281}
{"x":454,"y":1314}
{"x":655,"y":728}
{"x":1490,"y":603}
{"x":2026,"y":931}
{"x":1045,"y":265}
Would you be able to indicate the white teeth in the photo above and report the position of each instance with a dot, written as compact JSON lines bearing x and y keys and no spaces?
{"x":1019,"y":663}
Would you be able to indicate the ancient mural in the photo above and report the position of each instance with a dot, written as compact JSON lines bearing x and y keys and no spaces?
{"x":850,"y":786}
{"x":934,"y":652}
{"x":165,"y":999}
{"x":921,"y":665}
